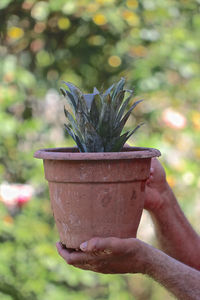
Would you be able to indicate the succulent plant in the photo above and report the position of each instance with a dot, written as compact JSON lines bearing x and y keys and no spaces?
{"x":99,"y":118}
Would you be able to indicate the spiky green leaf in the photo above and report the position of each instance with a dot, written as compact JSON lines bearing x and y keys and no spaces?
{"x":95,"y":111}
{"x":108,"y":91}
{"x":93,"y":141}
{"x":80,"y":144}
{"x":123,"y":108}
{"x":75,"y":91}
{"x":104,"y":128}
{"x":69,"y":97}
{"x":123,"y":121}
{"x":119,"y":87}
{"x":116,"y":144}
{"x":134,"y":130}
{"x":73,"y":124}
{"x":117,"y":103}
{"x":89,"y":98}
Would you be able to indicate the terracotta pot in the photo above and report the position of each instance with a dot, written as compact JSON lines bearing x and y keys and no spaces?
{"x":96,"y":194}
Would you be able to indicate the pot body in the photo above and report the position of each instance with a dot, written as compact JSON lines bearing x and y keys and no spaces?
{"x":96,"y":197}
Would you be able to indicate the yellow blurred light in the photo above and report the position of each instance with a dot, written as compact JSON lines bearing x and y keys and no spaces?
{"x":132,"y":3}
{"x":127,"y":14}
{"x":96,"y":40}
{"x":171,"y":180}
{"x":131,"y":18}
{"x":99,"y":19}
{"x":138,"y":51}
{"x":196,"y":120}
{"x":102,"y":2}
{"x":15,"y":33}
{"x":64,"y":23}
{"x":9,"y":77}
{"x":8,"y":220}
{"x":114,"y":61}
{"x":197,"y":152}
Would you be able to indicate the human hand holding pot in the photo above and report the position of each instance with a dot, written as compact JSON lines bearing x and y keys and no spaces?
{"x":156,"y":186}
{"x":108,"y":255}
{"x":114,"y":255}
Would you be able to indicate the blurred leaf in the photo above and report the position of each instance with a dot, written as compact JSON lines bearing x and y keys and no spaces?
{"x":4,"y":3}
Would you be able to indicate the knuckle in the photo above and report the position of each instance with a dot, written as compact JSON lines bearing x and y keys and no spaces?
{"x":113,"y":242}
{"x":93,"y":244}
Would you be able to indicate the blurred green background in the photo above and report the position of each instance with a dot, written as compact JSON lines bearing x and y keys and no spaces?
{"x":155,"y":44}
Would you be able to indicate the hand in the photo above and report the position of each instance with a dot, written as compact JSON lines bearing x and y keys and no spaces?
{"x":156,"y":185}
{"x":108,"y":255}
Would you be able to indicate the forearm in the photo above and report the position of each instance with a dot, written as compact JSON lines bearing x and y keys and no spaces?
{"x":175,"y":234}
{"x":180,"y":279}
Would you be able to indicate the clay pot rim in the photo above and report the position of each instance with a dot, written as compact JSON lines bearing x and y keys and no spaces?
{"x":71,"y":153}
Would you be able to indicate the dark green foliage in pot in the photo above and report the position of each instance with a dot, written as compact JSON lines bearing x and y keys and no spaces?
{"x":99,"y":118}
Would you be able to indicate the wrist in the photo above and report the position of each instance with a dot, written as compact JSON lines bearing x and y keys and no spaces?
{"x":143,"y":256}
{"x":155,"y":260}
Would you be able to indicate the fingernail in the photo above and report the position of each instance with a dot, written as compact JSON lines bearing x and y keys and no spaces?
{"x":83,"y":246}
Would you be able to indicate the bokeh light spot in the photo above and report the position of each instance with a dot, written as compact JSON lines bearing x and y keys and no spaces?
{"x":138,"y":51}
{"x":39,"y":27}
{"x":196,"y":120}
{"x":27,"y":5}
{"x":15,"y":33}
{"x":173,"y":119}
{"x":40,"y":11}
{"x":96,"y":40}
{"x":104,"y":2}
{"x":132,"y":3}
{"x":99,"y":19}
{"x":114,"y":61}
{"x":37,"y":45}
{"x":131,"y":18}
{"x":64,"y":23}
{"x":44,"y":58}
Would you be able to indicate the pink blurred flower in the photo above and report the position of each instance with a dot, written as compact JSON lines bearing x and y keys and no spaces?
{"x":173,"y":118}
{"x":15,"y":195}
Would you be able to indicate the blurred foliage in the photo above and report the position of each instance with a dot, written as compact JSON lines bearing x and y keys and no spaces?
{"x":155,"y":45}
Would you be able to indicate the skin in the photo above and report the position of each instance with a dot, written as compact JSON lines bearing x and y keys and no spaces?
{"x":176,"y":267}
{"x":175,"y":234}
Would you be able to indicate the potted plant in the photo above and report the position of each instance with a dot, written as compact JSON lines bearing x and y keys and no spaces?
{"x":97,"y":188}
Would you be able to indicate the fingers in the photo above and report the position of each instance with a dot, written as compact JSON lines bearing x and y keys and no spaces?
{"x":77,"y":259}
{"x":103,"y":255}
{"x":154,"y":162}
{"x":65,"y":253}
{"x":70,"y":256}
{"x":107,"y":246}
{"x":97,"y":246}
